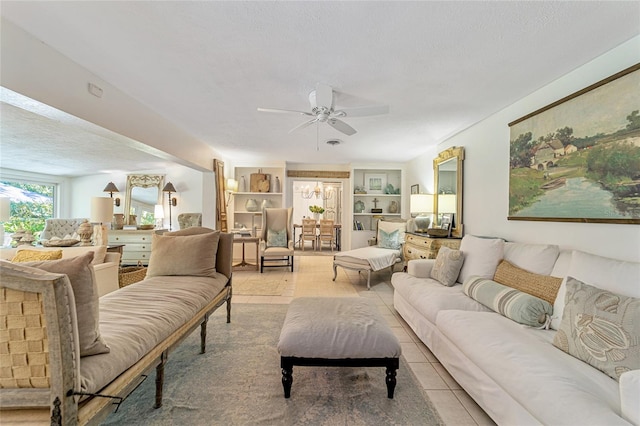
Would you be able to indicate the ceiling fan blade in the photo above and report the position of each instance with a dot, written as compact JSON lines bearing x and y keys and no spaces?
{"x":282,"y":111}
{"x":362,"y":111}
{"x":324,"y":96}
{"x":303,"y":125}
{"x":341,"y":126}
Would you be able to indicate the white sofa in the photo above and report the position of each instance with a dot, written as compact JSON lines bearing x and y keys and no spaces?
{"x":105,"y":264}
{"x":513,"y":371}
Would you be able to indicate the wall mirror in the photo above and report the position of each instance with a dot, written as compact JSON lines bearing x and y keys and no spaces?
{"x":143,"y":192}
{"x":447,"y":168}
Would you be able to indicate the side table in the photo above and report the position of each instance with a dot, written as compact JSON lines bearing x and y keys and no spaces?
{"x":421,"y":246}
{"x":244,"y":263}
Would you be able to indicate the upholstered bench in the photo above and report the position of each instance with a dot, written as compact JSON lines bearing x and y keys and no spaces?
{"x":337,"y":332}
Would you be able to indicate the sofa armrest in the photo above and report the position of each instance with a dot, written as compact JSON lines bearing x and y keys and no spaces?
{"x":420,"y":268}
{"x":107,"y":275}
{"x":112,"y":257}
{"x":629,"y":394}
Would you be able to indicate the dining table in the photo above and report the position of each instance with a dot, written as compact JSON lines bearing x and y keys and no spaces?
{"x":336,"y":226}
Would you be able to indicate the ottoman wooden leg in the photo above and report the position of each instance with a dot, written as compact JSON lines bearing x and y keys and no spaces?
{"x":287,"y":377}
{"x":391,"y":378}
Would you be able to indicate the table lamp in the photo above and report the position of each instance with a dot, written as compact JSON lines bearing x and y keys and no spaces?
{"x":101,"y":213}
{"x":422,"y":206}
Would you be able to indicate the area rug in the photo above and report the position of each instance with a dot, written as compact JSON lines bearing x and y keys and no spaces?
{"x":238,"y":382}
{"x":267,"y":287}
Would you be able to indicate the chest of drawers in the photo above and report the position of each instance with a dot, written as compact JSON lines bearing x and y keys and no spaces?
{"x":421,"y":246}
{"x":137,"y":245}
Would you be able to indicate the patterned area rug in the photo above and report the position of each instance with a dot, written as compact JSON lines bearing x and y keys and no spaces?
{"x":238,"y":382}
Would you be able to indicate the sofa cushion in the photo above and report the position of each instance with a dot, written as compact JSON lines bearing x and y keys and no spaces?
{"x":429,"y":297}
{"x":551,"y":385}
{"x":26,"y":255}
{"x":190,"y":255}
{"x":536,"y":258}
{"x":85,"y":291}
{"x":481,"y":256}
{"x":614,"y":275}
{"x":100,"y":252}
{"x":276,"y":238}
{"x":447,"y":266}
{"x":521,"y":307}
{"x":600,"y":328}
{"x":544,"y":287}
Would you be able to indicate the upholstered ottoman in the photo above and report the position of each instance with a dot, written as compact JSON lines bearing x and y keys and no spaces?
{"x":337,"y":332}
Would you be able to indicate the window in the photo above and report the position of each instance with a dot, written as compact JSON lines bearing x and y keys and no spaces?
{"x":31,"y":204}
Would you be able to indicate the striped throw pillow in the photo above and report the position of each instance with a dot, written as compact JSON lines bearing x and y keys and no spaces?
{"x":514,"y":304}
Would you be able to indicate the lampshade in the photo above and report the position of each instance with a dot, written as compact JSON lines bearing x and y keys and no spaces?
{"x":111,"y":187}
{"x":421,"y":203}
{"x":101,"y":209}
{"x":169,"y":188}
{"x":447,"y":203}
{"x":5,"y":209}
{"x":158,"y":211}
{"x":232,"y":185}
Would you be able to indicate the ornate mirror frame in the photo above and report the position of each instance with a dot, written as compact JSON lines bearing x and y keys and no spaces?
{"x":221,"y":206}
{"x":455,"y":154}
{"x":141,"y":181}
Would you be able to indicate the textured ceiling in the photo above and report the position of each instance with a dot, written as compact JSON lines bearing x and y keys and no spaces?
{"x":440,"y":66}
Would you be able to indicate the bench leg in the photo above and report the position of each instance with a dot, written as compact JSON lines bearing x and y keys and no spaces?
{"x":287,"y":379}
{"x":203,"y":334}
{"x":391,"y":381}
{"x":160,"y":380}
{"x":335,"y":271}
{"x":369,"y":279}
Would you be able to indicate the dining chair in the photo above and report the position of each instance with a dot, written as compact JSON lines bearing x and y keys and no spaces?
{"x":309,"y":232}
{"x":327,"y":233}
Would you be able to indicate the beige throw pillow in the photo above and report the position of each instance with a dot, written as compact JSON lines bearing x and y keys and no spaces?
{"x":189,"y":255}
{"x":85,"y":291}
{"x":447,"y":266}
{"x":544,"y":287}
{"x":600,"y":328}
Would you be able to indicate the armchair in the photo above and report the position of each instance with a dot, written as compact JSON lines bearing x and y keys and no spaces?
{"x":60,"y":228}
{"x":187,"y":220}
{"x":276,"y":238}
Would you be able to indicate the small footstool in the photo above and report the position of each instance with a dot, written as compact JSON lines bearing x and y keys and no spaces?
{"x":337,"y":332}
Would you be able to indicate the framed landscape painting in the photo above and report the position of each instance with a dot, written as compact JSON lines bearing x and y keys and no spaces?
{"x":578,"y":159}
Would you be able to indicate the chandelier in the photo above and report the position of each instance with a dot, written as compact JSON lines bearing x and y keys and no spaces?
{"x":319,"y":192}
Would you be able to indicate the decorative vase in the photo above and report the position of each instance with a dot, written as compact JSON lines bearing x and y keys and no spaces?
{"x":316,"y":216}
{"x":393,"y":207}
{"x":133,"y":219}
{"x":85,"y":230}
{"x":251,"y":205}
{"x":265,"y":204}
{"x":242,"y":187}
{"x":118,"y":221}
{"x":276,"y":186}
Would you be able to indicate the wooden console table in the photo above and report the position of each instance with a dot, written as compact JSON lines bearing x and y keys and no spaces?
{"x":422,"y":246}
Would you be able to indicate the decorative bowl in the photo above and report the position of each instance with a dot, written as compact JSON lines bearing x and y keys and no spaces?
{"x":146,"y":227}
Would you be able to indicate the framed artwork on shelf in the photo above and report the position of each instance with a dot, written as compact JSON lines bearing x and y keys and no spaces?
{"x":415,"y":189}
{"x":374,"y":183}
{"x":578,"y":159}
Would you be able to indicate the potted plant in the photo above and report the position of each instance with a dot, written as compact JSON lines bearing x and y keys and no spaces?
{"x":317,"y":211}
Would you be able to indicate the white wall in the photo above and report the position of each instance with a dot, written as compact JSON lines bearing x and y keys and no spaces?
{"x":486,"y":171}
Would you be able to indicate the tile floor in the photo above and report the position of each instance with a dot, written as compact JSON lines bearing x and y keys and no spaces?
{"x":313,"y":276}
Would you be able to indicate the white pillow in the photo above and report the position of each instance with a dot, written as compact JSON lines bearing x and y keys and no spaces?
{"x":536,"y":258}
{"x":616,"y":276}
{"x":481,"y":256}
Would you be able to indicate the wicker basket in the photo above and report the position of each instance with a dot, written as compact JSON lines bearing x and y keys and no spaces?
{"x":131,"y":274}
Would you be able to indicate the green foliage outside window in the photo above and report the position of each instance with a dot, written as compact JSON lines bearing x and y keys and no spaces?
{"x":30,"y":216}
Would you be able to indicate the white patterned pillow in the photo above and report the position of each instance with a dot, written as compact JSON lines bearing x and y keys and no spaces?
{"x":600,"y":328}
{"x":447,"y":266}
{"x":390,"y":240}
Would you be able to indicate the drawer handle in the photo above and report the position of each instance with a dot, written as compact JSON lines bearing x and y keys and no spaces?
{"x":144,"y":247}
{"x":144,"y":238}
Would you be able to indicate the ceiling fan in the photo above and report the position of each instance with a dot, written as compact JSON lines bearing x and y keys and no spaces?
{"x":323,"y":111}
